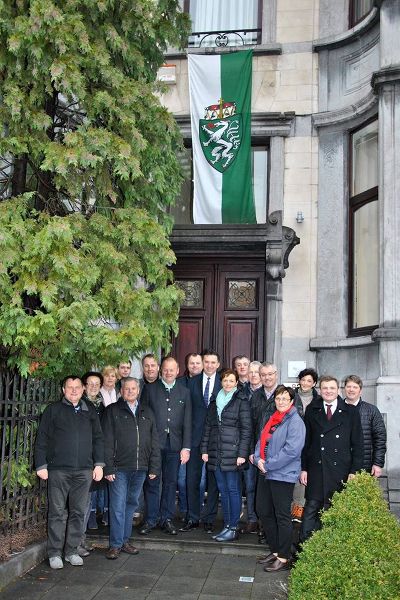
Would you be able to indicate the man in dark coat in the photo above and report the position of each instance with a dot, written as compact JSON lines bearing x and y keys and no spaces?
{"x":69,"y":453}
{"x":172,"y":408}
{"x":202,"y":387}
{"x":332,"y":453}
{"x":132,"y":453}
{"x":372,"y":424}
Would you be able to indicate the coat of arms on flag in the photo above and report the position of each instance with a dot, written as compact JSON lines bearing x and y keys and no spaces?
{"x":220,"y":134}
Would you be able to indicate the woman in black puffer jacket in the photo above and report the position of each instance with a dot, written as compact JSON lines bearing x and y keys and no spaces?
{"x":225,"y":448}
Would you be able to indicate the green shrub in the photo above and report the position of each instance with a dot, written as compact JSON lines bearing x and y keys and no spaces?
{"x":356,"y":554}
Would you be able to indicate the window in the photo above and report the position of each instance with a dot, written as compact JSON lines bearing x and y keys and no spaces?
{"x":182,"y":211}
{"x":364,"y":230}
{"x":359,"y":9}
{"x":224,"y":22}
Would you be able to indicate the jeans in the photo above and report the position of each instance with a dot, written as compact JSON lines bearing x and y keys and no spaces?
{"x":161,"y":509}
{"x":278,"y":518}
{"x":124,"y":494}
{"x":250,"y":478}
{"x":67,"y":499}
{"x":231,"y":496}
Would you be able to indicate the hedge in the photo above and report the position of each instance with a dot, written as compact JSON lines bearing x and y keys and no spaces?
{"x":356,"y":554}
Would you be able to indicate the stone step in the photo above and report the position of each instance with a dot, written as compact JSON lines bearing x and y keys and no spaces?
{"x":196,"y":540}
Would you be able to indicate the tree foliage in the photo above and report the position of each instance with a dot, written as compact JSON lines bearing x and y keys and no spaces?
{"x":87,"y":170}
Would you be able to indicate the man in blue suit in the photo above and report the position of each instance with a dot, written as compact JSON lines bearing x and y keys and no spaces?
{"x":202,"y":387}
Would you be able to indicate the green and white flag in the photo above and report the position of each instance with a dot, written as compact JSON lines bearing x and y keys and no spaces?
{"x":220,"y":105}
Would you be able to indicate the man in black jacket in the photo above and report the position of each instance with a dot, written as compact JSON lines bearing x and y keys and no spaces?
{"x":131,"y":452}
{"x":69,"y":453}
{"x":171,"y":404}
{"x":332,"y":453}
{"x":373,"y":427}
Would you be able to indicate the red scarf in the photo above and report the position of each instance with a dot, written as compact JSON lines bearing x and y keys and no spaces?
{"x":269,"y":429}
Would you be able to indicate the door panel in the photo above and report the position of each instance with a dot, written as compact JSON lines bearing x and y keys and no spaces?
{"x":240,"y":338}
{"x":224,"y":307}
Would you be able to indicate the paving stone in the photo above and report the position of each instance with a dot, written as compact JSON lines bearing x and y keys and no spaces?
{"x":26,"y":589}
{"x":225,"y":588}
{"x":123,"y":579}
{"x":70,"y":591}
{"x":179,"y":584}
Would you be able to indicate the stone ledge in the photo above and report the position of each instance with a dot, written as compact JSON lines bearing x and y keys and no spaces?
{"x":272,"y":49}
{"x":21,"y":563}
{"x":349,"y":36}
{"x":386,"y":334}
{"x":353,"y":342}
{"x":346,"y":114}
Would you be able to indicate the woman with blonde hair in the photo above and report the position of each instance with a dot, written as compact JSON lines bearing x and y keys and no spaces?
{"x":107,"y":390}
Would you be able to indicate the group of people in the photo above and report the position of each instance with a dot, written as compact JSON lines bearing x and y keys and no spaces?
{"x":287,"y":450}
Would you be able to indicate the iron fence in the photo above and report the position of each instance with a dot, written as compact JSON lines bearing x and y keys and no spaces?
{"x":23,"y":495}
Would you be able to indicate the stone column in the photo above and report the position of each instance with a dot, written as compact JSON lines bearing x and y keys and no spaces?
{"x":386,"y":83}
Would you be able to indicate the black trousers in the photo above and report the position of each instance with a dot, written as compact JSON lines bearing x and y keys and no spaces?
{"x":311,"y":517}
{"x":67,"y":493}
{"x":193,"y":478}
{"x":277,"y":522}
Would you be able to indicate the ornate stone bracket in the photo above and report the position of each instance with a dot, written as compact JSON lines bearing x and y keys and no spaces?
{"x":277,"y":256}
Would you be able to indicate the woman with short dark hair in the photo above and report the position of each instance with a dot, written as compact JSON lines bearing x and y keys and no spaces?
{"x":225,"y":448}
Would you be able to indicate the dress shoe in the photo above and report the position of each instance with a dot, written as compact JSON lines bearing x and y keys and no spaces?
{"x":169,"y":527}
{"x":189,"y":525}
{"x":208,"y":527}
{"x":113,"y":553}
{"x":265,"y":560}
{"x":277,"y":565}
{"x":129,"y":549}
{"x":146,"y":529}
{"x":224,"y":530}
{"x":250,"y":527}
{"x":230,"y":535}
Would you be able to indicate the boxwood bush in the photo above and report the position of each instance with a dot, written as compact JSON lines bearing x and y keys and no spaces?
{"x":356,"y":554}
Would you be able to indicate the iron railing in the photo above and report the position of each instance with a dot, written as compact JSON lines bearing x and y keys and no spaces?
{"x":23,"y":496}
{"x":231,"y":37}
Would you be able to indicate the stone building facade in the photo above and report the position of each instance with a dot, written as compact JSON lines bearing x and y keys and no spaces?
{"x":326,"y":117}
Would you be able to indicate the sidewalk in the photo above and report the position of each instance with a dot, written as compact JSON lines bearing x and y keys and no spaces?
{"x":154,"y":574}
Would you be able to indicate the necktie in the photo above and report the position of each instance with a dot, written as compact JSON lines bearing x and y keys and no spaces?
{"x":206,"y":392}
{"x":328,"y":412}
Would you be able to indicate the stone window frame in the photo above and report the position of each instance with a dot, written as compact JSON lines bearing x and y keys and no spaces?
{"x":355,"y":203}
{"x":268,"y":130}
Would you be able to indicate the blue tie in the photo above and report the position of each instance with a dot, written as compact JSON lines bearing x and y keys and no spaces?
{"x":206,"y":392}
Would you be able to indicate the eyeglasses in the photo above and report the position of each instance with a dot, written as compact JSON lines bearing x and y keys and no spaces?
{"x":268,"y":374}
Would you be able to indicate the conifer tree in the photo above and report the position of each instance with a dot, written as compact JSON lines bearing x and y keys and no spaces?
{"x":88,"y":169}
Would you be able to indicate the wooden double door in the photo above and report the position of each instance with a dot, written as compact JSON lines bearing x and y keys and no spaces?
{"x":224,"y":307}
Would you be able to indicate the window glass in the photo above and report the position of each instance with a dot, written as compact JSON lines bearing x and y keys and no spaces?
{"x":260,"y":182}
{"x":359,"y":9}
{"x":223,"y":16}
{"x":365,"y":159}
{"x":366,"y":265}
